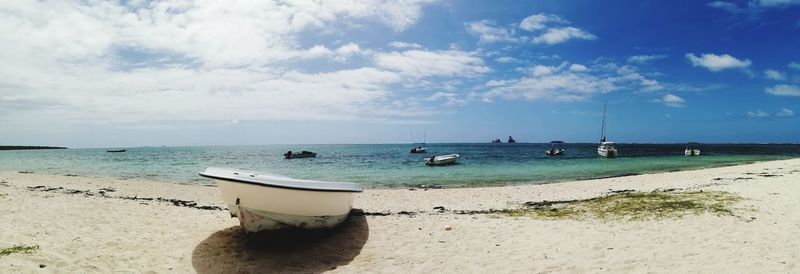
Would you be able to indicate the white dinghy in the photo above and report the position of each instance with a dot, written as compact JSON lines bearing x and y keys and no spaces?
{"x":441,"y":160}
{"x":271,"y":202}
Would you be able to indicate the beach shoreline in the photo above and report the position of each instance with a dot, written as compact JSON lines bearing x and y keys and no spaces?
{"x":96,"y":224}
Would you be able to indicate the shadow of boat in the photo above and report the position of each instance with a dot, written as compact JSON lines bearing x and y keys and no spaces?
{"x":231,"y":250}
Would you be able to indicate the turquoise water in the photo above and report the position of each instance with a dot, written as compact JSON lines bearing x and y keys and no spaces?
{"x":388,"y":165}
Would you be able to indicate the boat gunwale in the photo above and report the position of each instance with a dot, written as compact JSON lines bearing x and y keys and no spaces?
{"x":303,"y":188}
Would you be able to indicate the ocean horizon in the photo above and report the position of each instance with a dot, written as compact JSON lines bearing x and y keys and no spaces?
{"x":390,"y":165}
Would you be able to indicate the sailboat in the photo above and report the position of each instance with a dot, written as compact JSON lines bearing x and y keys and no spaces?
{"x":419,"y":148}
{"x":605,"y":149}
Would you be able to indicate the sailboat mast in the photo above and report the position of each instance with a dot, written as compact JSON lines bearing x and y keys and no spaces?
{"x":412,"y":136}
{"x":425,"y":137}
{"x":603,"y":128}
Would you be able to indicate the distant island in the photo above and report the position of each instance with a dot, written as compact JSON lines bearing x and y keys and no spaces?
{"x":28,"y":147}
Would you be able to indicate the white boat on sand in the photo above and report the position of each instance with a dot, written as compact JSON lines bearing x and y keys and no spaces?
{"x":441,"y":160}
{"x":271,"y":202}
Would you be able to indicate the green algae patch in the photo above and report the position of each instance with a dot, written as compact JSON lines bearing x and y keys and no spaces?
{"x":26,"y":249}
{"x":635,"y":206}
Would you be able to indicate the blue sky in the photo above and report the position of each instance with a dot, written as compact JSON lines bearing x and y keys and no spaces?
{"x":87,"y":74}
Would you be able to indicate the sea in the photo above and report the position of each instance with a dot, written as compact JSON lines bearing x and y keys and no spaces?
{"x":390,"y":165}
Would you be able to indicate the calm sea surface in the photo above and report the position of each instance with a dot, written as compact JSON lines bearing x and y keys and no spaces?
{"x":388,"y":165}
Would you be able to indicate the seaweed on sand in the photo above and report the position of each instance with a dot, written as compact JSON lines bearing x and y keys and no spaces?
{"x":18,"y":249}
{"x":636,"y":206}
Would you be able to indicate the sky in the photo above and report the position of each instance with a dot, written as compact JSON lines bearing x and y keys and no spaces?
{"x":152,"y":73}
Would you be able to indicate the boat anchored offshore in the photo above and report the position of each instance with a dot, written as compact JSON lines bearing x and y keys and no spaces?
{"x":115,"y":150}
{"x":442,"y":160}
{"x":555,"y":148}
{"x":605,"y":149}
{"x":692,"y":149}
{"x":272,"y":202}
{"x":511,"y":140}
{"x":302,"y":154}
{"x":420,"y":148}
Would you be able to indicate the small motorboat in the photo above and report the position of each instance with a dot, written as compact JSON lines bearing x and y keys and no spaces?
{"x":692,"y":149}
{"x":302,"y":154}
{"x":442,"y":160}
{"x":555,"y":148}
{"x":419,"y":149}
{"x":272,"y":202}
{"x":115,"y":150}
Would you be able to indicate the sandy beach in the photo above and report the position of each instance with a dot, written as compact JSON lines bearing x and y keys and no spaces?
{"x":87,"y":224}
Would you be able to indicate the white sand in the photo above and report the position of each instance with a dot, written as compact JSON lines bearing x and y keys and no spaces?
{"x":80,"y":233}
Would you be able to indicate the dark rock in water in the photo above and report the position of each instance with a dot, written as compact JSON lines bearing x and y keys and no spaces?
{"x":71,"y":175}
{"x":42,"y":265}
{"x":409,"y":213}
{"x":439,"y":208}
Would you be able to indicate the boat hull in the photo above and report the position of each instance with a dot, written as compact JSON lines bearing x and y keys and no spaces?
{"x":261,"y":207}
{"x":442,"y":160}
{"x":608,"y":153}
{"x":692,"y":152}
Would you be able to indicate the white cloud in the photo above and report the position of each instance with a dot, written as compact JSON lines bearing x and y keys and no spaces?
{"x":403,"y":45}
{"x":578,"y":68}
{"x":785,"y":112}
{"x":642,"y":59}
{"x":548,"y":29}
{"x":419,"y":63}
{"x":783,"y":90}
{"x":539,"y":21}
{"x":671,"y":100}
{"x":773,"y":3}
{"x":449,"y":98}
{"x":715,"y":62}
{"x":506,"y":59}
{"x":726,"y":6}
{"x":560,"y":35}
{"x":108,"y":62}
{"x":562,"y":83}
{"x":774,"y":75}
{"x":794,"y":65}
{"x":757,"y":114}
{"x":487,"y":32}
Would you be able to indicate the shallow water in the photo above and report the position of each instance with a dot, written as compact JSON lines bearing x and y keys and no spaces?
{"x":389,"y":165}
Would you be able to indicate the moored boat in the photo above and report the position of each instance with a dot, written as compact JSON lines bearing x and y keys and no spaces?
{"x":605,"y":149}
{"x":692,"y":149}
{"x":271,"y":202}
{"x":419,"y":149}
{"x":555,"y":148}
{"x":441,"y":160}
{"x":115,"y":150}
{"x":302,"y":154}
{"x":511,"y":140}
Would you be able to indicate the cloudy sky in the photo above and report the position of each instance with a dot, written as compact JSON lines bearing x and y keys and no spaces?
{"x":129,"y":73}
